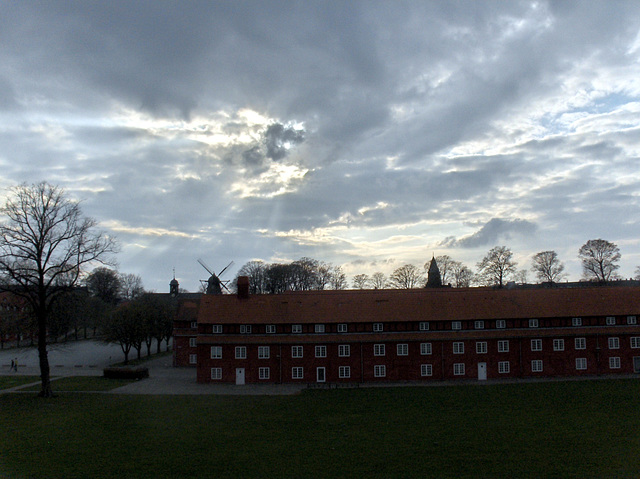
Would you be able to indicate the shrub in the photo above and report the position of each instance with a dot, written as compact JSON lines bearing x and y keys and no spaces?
{"x":126,"y":373}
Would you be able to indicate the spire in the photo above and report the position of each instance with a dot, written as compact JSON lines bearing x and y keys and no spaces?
{"x":174,"y":286}
{"x":433,"y":275}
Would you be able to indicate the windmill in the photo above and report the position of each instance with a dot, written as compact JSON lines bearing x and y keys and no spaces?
{"x":214,"y":284}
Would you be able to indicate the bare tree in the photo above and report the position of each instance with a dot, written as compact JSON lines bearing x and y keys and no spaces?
{"x":256,"y":271}
{"x":104,"y":283}
{"x":599,"y":260}
{"x":446,"y":265}
{"x":378,"y":280}
{"x":360,"y":281}
{"x":45,"y":243}
{"x":547,"y":267}
{"x":406,"y":277}
{"x":637,"y":274}
{"x":462,"y":275}
{"x":338,"y":279}
{"x":131,"y":286}
{"x":496,"y":267}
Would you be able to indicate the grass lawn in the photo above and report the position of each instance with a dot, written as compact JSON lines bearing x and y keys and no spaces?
{"x":83,"y":383}
{"x":7,"y":382}
{"x":581,"y":429}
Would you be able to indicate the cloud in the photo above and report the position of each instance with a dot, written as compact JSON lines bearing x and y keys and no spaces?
{"x":492,"y":232}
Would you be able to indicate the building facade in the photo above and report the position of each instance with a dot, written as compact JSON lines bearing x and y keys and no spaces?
{"x":356,"y":336}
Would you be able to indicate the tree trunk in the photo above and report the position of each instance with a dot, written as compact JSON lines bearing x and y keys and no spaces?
{"x":159,"y":344}
{"x":45,"y":391}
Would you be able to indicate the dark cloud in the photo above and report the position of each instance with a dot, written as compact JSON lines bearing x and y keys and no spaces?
{"x":495,"y":230}
{"x":278,"y":139}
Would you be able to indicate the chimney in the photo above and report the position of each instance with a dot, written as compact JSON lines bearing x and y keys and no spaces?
{"x":243,"y":287}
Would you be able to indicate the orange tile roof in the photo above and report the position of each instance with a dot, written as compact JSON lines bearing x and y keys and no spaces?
{"x":350,"y":306}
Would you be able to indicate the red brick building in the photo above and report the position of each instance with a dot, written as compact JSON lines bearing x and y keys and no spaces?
{"x":357,"y":336}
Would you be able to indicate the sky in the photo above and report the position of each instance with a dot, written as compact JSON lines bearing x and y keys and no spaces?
{"x":365,"y":134}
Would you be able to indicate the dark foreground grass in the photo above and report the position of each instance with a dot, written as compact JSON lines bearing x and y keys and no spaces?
{"x":7,"y":382}
{"x":83,"y":383}
{"x":583,"y":429}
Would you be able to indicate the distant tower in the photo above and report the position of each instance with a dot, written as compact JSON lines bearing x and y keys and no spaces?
{"x":174,"y":286}
{"x":433,"y":275}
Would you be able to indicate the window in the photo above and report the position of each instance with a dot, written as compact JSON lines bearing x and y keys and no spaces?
{"x":216,"y":329}
{"x":192,"y":342}
{"x":536,"y":345}
{"x":245,"y":329}
{"x":378,"y":350}
{"x":504,"y":367}
{"x":501,"y":324}
{"x":344,"y":372}
{"x":503,"y":346}
{"x":533,"y":323}
{"x":581,"y":364}
{"x":558,"y":344}
{"x":403,"y":349}
{"x":296,"y":351}
{"x":270,"y":328}
{"x":576,"y":321}
{"x":216,"y":373}
{"x":458,"y":369}
{"x":193,"y":359}
{"x":614,"y":363}
{"x":321,"y":351}
{"x":635,"y":342}
{"x":379,"y":371}
{"x":263,"y":373}
{"x":378,"y":327}
{"x":614,"y":343}
{"x":216,"y":352}
{"x":319,"y":328}
{"x":342,"y":328}
{"x":611,"y":320}
{"x":631,"y":320}
{"x":481,"y":347}
{"x":241,"y":352}
{"x":458,"y":348}
{"x":478,"y":324}
{"x":426,"y":370}
{"x":297,"y":373}
{"x":344,"y":350}
{"x":456,"y":325}
{"x":194,"y":325}
{"x":536,"y":366}
{"x":296,"y":328}
{"x":424,"y":326}
{"x":581,"y":343}
{"x":425,"y":348}
{"x":263,"y":352}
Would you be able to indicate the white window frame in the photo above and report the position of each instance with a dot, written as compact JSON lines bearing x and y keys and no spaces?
{"x":193,"y":342}
{"x":425,"y":349}
{"x":537,"y":366}
{"x":193,"y":359}
{"x":424,"y":326}
{"x":632,"y":320}
{"x":456,"y":325}
{"x":503,"y":346}
{"x":297,"y":372}
{"x":478,"y":324}
{"x":611,"y":320}
{"x":194,"y":324}
{"x":580,"y":343}
{"x":379,"y":350}
{"x":614,"y":343}
{"x":402,"y":349}
{"x":344,"y":372}
{"x":614,"y":362}
{"x":534,"y":323}
{"x":270,"y":328}
{"x":245,"y":329}
{"x":634,"y":342}
{"x":344,"y":350}
{"x":216,"y":329}
{"x":481,"y":347}
{"x":378,"y":327}
{"x":558,"y":344}
{"x":576,"y":322}
{"x":319,"y":328}
{"x":321,"y":351}
{"x":264,"y":352}
{"x":216,"y":374}
{"x":342,"y":327}
{"x":241,"y":352}
{"x":536,"y":345}
{"x":297,"y":352}
{"x":581,"y":364}
{"x":379,"y":371}
{"x":458,"y":347}
{"x":426,"y":370}
{"x":504,"y":367}
{"x":458,"y":369}
{"x":264,"y":373}
{"x":501,"y":324}
{"x":296,"y":328}
{"x":216,"y":352}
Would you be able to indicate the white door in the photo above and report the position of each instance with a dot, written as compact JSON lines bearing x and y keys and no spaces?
{"x":239,"y":375}
{"x":482,"y":371}
{"x":320,"y":374}
{"x":636,"y":364}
